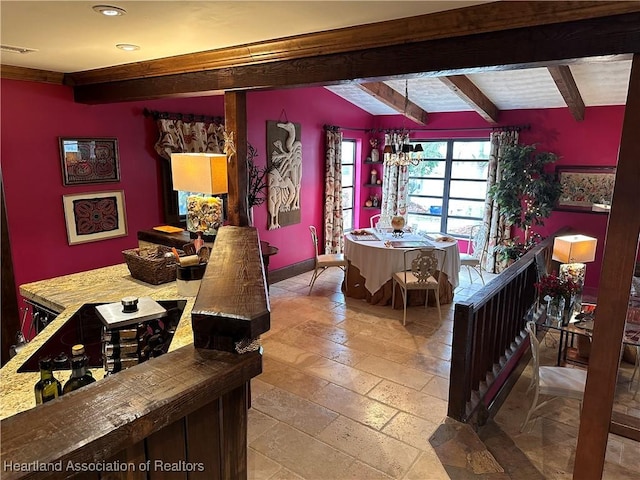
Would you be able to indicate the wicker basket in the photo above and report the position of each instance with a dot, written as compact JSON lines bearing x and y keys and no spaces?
{"x":151,"y":266}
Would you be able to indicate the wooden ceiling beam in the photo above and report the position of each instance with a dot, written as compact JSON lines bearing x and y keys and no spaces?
{"x":11,"y":72}
{"x":532,"y":47}
{"x":394,"y":99}
{"x":567,"y":87}
{"x":474,"y":20}
{"x":472,"y":95}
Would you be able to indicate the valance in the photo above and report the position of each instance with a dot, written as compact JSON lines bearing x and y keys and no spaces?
{"x":186,"y":133}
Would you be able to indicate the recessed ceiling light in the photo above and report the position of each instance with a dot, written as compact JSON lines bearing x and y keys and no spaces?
{"x":128,"y":47}
{"x":109,"y":10}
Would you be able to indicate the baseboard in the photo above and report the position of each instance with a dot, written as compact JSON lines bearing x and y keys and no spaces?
{"x":291,"y":270}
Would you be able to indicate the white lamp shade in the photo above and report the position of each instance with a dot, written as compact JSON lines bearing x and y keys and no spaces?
{"x":574,"y":249}
{"x":200,"y":172}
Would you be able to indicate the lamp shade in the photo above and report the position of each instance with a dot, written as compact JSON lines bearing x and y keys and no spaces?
{"x":199,"y":172}
{"x":574,"y":249}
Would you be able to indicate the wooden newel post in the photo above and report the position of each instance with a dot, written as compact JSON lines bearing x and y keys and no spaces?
{"x":232,"y":304}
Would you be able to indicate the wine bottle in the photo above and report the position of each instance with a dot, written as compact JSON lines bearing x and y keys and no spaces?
{"x":80,"y":375}
{"x":77,"y":351}
{"x":48,"y":387}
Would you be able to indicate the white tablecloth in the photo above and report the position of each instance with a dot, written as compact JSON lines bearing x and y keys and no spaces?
{"x":377,"y":263}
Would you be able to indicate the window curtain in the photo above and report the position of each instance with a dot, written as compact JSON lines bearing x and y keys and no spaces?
{"x":178,"y":136}
{"x":395,"y":178}
{"x":496,"y":228}
{"x":333,"y":226}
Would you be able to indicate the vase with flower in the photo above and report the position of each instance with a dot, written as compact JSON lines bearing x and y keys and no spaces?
{"x":557,"y":293}
{"x":257,"y":181}
{"x":375,"y":153}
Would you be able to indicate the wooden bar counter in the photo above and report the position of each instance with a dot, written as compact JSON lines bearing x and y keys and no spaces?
{"x":180,"y":415}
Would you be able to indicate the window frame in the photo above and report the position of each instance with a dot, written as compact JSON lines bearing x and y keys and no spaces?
{"x":447,"y":180}
{"x":353,"y":182}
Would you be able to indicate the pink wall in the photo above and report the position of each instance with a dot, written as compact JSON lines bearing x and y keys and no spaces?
{"x":35,"y":115}
{"x":594,"y":141}
{"x":312,"y":108}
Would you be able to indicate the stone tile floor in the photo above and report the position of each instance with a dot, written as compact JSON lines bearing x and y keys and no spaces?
{"x":348,"y":392}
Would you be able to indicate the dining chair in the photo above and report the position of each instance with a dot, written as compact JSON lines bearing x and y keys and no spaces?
{"x":419,"y":274}
{"x":372,"y":220}
{"x":325,"y":260}
{"x":476,"y":251}
{"x":554,"y":381}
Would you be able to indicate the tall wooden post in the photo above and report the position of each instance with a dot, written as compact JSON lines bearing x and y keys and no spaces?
{"x":10,"y":318}
{"x":613,"y":295}
{"x":235,"y":119}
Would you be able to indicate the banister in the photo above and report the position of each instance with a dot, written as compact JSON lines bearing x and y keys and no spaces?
{"x":487,"y":334}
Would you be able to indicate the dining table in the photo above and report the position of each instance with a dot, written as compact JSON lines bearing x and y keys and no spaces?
{"x":375,"y":255}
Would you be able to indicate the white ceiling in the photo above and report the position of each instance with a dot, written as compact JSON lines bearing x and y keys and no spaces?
{"x":69,"y":37}
{"x":599,"y":83}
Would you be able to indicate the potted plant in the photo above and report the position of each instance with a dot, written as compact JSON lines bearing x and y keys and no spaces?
{"x":526,"y":193}
{"x":511,"y":249}
{"x":257,"y":181}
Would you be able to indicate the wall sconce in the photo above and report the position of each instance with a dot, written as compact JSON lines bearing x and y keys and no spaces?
{"x":573,"y":251}
{"x":199,"y":174}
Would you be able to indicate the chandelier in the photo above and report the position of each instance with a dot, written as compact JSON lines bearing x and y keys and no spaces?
{"x":397,"y":150}
{"x":405,"y":154}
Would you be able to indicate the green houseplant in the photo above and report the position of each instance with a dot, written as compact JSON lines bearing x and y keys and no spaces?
{"x":512,"y":249}
{"x":526,"y":194}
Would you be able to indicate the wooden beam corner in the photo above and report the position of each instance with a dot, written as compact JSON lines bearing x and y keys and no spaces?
{"x":395,"y":100}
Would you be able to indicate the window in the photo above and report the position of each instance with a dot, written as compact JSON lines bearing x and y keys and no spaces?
{"x":447,"y":189}
{"x":348,"y":181}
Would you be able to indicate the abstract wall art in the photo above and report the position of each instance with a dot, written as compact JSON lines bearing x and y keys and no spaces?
{"x":582,"y":187}
{"x":89,"y":160}
{"x":284,"y":158}
{"x":94,"y":216}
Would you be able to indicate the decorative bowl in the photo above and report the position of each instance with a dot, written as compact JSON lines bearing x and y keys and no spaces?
{"x":397,"y":222}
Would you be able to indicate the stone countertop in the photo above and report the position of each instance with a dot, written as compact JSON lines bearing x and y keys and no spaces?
{"x":66,"y":295}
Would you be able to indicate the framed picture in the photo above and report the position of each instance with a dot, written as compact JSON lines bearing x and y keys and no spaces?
{"x":89,"y":160}
{"x":94,"y":216}
{"x":584,"y":187}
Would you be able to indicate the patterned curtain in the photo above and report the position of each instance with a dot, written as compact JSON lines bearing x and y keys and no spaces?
{"x":178,"y":136}
{"x":394,"y":179}
{"x":333,"y":226}
{"x":495,"y":226}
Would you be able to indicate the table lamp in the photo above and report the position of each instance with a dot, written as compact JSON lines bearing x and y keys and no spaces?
{"x":573,"y":251}
{"x":200,"y":174}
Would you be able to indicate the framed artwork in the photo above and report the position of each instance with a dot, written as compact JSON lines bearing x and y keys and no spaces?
{"x":94,"y":216}
{"x":284,"y":177}
{"x":584,"y":187}
{"x":89,"y":160}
